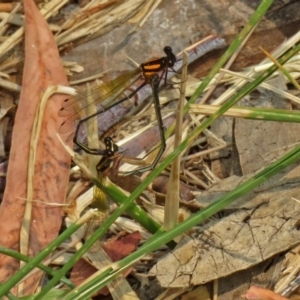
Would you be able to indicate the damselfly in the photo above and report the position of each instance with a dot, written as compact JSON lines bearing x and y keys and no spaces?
{"x":153,"y":72}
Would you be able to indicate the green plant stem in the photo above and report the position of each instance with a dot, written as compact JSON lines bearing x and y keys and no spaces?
{"x":255,"y":113}
{"x":26,"y":259}
{"x":34,"y":262}
{"x":10,"y":296}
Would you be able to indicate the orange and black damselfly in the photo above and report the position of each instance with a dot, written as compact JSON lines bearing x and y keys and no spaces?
{"x":153,"y":72}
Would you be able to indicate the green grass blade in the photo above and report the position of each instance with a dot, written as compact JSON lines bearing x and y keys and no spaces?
{"x":34,"y":262}
{"x":26,"y":259}
{"x":252,"y":113}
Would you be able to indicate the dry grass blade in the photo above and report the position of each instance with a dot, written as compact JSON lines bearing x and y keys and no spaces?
{"x":48,"y":10}
{"x":93,"y":20}
{"x":172,"y":197}
{"x":8,"y":18}
{"x":145,"y":12}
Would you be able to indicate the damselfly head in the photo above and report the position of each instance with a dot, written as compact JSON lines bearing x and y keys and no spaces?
{"x":168,"y":50}
{"x":170,"y":56}
{"x":111,"y":147}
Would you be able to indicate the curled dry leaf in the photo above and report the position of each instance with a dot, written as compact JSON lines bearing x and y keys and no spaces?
{"x":37,"y":175}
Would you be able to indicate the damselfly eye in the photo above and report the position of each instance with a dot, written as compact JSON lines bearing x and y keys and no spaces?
{"x":168,"y":50}
{"x":108,"y":141}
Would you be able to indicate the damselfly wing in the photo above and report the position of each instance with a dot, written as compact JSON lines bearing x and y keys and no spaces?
{"x":108,"y":95}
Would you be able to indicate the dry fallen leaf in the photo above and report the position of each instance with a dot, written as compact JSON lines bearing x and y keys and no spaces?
{"x":35,"y":188}
{"x":264,"y":225}
{"x":259,"y":142}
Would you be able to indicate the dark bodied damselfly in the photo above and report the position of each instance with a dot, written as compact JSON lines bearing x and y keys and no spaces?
{"x":153,"y":72}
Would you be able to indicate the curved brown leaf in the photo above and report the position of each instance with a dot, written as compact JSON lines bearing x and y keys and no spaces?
{"x":37,"y":185}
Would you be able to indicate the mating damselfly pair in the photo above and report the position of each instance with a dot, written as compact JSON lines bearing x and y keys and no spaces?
{"x":153,"y":73}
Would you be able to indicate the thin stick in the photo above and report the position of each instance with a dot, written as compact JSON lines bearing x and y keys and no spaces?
{"x":172,"y":198}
